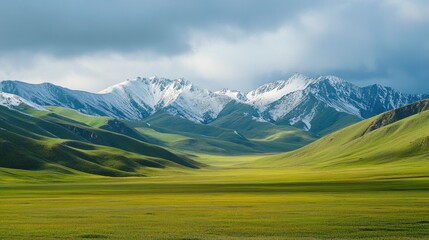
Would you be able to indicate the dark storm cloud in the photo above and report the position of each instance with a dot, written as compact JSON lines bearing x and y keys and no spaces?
{"x":219,"y":43}
{"x":162,"y":26}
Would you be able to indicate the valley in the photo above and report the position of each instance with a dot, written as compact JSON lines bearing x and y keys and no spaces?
{"x":214,"y":120}
{"x":235,"y":177}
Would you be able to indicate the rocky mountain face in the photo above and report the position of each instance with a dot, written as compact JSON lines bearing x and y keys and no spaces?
{"x":318,"y":104}
{"x":305,"y":102}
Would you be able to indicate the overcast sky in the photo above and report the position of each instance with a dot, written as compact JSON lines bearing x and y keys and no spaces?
{"x":238,"y":44}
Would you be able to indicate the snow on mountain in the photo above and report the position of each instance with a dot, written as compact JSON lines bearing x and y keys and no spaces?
{"x":178,"y":96}
{"x":132,"y":99}
{"x":233,"y":94}
{"x":300,"y":101}
{"x":199,"y":105}
{"x":47,"y":94}
{"x":12,"y":101}
{"x":331,"y":79}
{"x":153,"y":93}
{"x":271,"y":92}
{"x":284,"y":105}
{"x":332,"y":94}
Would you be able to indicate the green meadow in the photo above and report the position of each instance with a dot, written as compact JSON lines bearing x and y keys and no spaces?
{"x":223,"y":201}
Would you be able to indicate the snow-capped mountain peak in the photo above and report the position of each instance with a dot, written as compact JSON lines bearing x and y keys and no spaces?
{"x":271,"y":92}
{"x":177,"y":96}
{"x":233,"y":94}
{"x":152,"y":93}
{"x":154,"y":82}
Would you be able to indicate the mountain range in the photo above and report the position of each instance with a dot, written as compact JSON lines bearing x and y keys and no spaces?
{"x":141,"y":125}
{"x":319,"y":105}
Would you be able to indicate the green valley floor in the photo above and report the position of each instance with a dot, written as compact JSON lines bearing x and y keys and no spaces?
{"x":225,"y":201}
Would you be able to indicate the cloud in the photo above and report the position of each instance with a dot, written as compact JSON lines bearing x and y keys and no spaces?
{"x":78,"y":27}
{"x":236,"y":44}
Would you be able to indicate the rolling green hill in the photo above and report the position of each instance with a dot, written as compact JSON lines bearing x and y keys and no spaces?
{"x":396,"y":138}
{"x":70,"y":116}
{"x":241,"y":135}
{"x":55,"y":142}
{"x":241,"y":118}
{"x":232,"y":133}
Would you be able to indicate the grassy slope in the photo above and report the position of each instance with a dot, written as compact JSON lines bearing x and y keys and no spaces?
{"x":69,"y":116}
{"x":263,"y":134}
{"x":93,"y":121}
{"x":183,"y":135}
{"x":33,"y":143}
{"x":326,"y":120}
{"x":109,"y":132}
{"x":400,"y":147}
{"x":197,"y":137}
{"x":218,"y":138}
{"x":336,"y":120}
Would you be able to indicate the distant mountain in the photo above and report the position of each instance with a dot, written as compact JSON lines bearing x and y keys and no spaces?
{"x":178,"y":97}
{"x":319,"y":105}
{"x":134,"y":99}
{"x":326,"y":103}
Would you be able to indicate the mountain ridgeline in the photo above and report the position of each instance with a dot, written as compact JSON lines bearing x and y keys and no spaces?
{"x":318,"y":105}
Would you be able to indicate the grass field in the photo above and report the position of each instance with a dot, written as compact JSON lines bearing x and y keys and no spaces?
{"x":199,"y":211}
{"x":224,"y":201}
